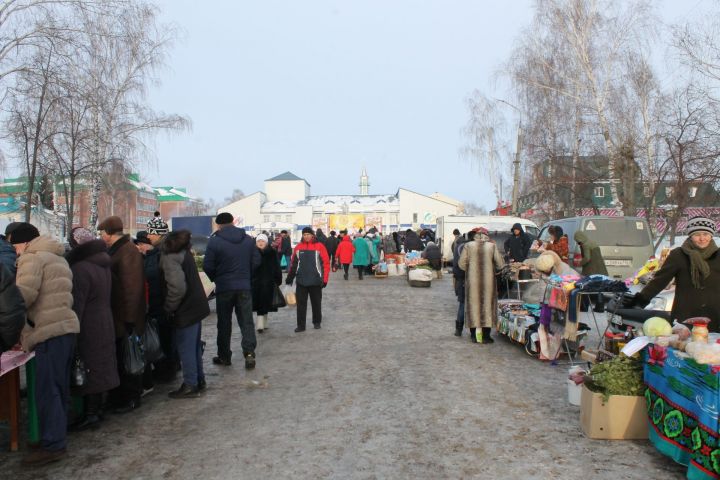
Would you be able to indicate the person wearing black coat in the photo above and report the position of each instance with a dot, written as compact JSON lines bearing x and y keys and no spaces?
{"x":518,"y":245}
{"x":331,"y":245}
{"x":92,"y":290}
{"x":12,"y":310}
{"x":265,"y":281}
{"x":186,"y":305}
{"x":413,"y":242}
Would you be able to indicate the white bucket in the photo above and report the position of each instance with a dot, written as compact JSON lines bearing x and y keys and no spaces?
{"x":574,"y":391}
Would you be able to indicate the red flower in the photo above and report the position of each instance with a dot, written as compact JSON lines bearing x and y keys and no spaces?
{"x":687,"y":432}
{"x":705,"y":450}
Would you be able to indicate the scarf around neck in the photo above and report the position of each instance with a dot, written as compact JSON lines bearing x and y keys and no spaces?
{"x":699,"y":267}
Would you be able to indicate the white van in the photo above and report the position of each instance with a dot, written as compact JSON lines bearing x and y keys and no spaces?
{"x":494,"y":223}
{"x":625,"y":242}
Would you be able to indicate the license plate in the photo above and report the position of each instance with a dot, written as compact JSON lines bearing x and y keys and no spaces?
{"x":618,"y":263}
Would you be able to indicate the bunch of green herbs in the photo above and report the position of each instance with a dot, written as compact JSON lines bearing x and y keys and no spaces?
{"x":620,"y":375}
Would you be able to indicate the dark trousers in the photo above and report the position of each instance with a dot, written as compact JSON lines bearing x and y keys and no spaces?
{"x":460,"y":320}
{"x":131,"y":386}
{"x":332,"y":258}
{"x":53,"y":358}
{"x":190,"y":350}
{"x":301,"y":294}
{"x":241,"y":302}
{"x":346,"y":268}
{"x":360,"y":269}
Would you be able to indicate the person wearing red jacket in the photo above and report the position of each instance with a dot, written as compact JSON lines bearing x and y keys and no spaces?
{"x":344,"y":254}
{"x":310,"y":265}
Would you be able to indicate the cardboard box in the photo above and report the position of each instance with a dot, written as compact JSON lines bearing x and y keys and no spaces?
{"x":620,"y":418}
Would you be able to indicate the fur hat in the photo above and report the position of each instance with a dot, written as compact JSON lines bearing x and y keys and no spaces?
{"x":308,"y":230}
{"x":24,"y":232}
{"x":111,"y":225}
{"x":224,"y":218}
{"x":157,"y":226}
{"x":700,"y":224}
{"x":262,"y":237}
{"x":80,"y":235}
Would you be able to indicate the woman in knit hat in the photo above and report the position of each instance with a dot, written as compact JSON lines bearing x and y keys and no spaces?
{"x":695,"y":267}
{"x":265,"y":280}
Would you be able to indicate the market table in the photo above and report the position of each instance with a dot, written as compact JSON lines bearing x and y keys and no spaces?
{"x":683,"y":404}
{"x":10,"y":363}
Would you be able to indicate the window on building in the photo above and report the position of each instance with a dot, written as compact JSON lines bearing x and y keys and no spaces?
{"x":599,"y":192}
{"x":646,"y":191}
{"x":669,"y":192}
{"x":415,"y":216}
{"x":266,"y":218}
{"x":692,"y":191}
{"x":288,"y":218}
{"x":278,"y":218}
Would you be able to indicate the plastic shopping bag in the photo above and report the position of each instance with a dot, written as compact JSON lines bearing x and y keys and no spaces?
{"x":289,"y":293}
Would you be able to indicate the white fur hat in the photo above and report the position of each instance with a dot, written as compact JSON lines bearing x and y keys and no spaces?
{"x":262,"y":237}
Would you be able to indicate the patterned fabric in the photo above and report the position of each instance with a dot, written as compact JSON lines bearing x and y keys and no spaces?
{"x":700,"y":224}
{"x":682,"y":402}
{"x":157,"y":226}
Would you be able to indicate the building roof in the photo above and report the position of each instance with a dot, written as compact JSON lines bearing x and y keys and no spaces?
{"x":287,"y":176}
{"x":172,"y":194}
{"x":339,"y":200}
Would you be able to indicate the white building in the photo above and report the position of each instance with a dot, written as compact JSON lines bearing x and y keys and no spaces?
{"x":286,"y":204}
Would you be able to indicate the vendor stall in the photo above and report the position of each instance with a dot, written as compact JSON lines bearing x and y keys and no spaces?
{"x":683,"y":404}
{"x":10,"y":363}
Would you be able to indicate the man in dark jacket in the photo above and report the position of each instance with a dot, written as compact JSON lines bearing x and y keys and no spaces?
{"x":311,"y":266}
{"x":128,"y":306}
{"x":186,"y":305}
{"x":412,"y":242}
{"x":459,"y":281}
{"x":518,"y":245}
{"x":12,"y":310}
{"x":7,"y":255}
{"x":230,"y":258}
{"x":331,"y":246}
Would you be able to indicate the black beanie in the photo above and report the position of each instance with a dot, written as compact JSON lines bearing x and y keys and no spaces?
{"x":224,"y":218}
{"x":24,"y":232}
{"x":308,"y":230}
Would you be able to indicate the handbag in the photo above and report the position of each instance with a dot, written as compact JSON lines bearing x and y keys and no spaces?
{"x":283,"y":262}
{"x":78,"y":372}
{"x":278,"y":300}
{"x":133,"y":356}
{"x":151,"y":341}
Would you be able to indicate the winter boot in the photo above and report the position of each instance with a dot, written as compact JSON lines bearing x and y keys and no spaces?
{"x":486,"y":338}
{"x":91,"y":420}
{"x":458,"y":332}
{"x":261,"y":319}
{"x":249,"y":360}
{"x":473,"y":337}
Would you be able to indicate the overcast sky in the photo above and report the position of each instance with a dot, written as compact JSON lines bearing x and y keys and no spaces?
{"x":323,"y":88}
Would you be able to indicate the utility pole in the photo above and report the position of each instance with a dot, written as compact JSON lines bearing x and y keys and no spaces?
{"x":516,"y":172}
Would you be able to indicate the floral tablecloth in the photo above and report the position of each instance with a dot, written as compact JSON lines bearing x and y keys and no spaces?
{"x":683,"y":403}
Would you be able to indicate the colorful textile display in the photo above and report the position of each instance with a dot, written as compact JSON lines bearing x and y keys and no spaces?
{"x":683,"y":404}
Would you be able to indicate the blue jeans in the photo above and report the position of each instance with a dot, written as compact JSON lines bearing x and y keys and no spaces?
{"x":241,"y":302}
{"x":53,"y":359}
{"x":189,"y":349}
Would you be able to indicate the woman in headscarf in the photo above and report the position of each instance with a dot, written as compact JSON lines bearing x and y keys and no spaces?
{"x":265,"y":280}
{"x":559,"y":243}
{"x":92,"y":284}
{"x":695,"y":267}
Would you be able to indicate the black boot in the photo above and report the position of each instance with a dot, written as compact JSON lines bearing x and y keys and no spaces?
{"x":486,"y":338}
{"x":473,"y":337}
{"x":91,"y":419}
{"x":458,"y":332}
{"x":250,"y":360}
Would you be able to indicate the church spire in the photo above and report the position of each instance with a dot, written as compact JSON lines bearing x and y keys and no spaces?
{"x":364,"y":182}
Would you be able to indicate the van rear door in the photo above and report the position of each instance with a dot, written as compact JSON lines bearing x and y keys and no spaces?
{"x":625,"y":243}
